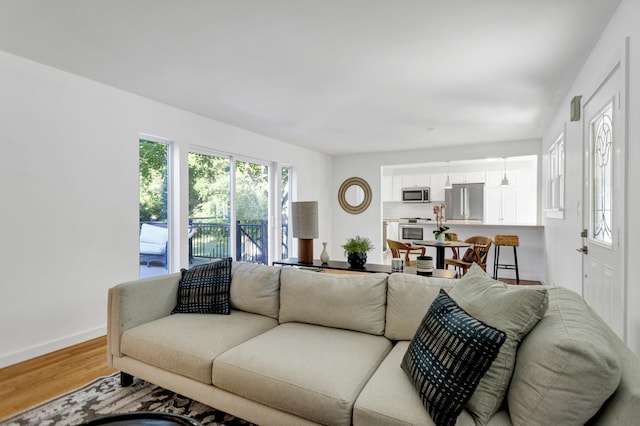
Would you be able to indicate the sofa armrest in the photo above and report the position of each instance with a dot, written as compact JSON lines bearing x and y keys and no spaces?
{"x":623,"y":407}
{"x":137,"y":302}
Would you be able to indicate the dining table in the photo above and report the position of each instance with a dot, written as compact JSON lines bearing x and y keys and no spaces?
{"x":440,"y":246}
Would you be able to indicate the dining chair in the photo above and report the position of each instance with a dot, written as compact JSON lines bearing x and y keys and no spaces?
{"x":452,"y":236}
{"x":399,"y":249}
{"x":476,"y":254}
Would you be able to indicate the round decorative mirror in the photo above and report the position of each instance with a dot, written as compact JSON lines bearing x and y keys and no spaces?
{"x":354,"y":195}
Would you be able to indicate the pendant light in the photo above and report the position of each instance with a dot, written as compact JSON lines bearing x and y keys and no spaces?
{"x":505,"y":181}
{"x":447,"y":184}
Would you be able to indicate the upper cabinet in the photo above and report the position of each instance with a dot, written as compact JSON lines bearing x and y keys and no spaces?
{"x":467,"y":177}
{"x":386,"y":191}
{"x":513,"y":204}
{"x":412,"y":181}
{"x":438,"y":181}
{"x":392,"y":188}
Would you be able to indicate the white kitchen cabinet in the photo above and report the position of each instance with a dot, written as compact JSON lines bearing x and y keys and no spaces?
{"x":414,"y":181}
{"x":396,"y":190}
{"x":527,"y":197}
{"x":493,"y":178}
{"x":386,"y":191}
{"x":423,"y":180}
{"x":438,"y":180}
{"x":474,"y":177}
{"x":392,"y":188}
{"x":458,"y":177}
{"x":500,"y":205}
{"x":467,"y":177}
{"x":409,"y":181}
{"x":509,"y":205}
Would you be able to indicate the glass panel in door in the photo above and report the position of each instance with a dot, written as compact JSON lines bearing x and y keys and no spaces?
{"x":601,"y":155}
{"x":285,"y":204}
{"x":252,"y":212}
{"x":209,"y":207}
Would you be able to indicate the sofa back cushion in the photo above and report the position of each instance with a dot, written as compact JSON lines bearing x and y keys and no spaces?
{"x":255,"y":288}
{"x":512,"y":309}
{"x":566,"y":367}
{"x":351,"y":302}
{"x":408,"y":300}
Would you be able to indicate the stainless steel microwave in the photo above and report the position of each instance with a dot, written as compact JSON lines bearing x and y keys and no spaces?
{"x":416,"y":195}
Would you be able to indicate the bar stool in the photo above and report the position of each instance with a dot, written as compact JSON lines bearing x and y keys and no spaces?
{"x":506,"y":240}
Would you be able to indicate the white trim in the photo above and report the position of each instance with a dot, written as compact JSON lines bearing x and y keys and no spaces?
{"x":52,"y":346}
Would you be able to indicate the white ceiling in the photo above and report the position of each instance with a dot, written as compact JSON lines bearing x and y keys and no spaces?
{"x":339,"y":76}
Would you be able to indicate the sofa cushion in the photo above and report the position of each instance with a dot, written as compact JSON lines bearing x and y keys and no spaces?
{"x":390,"y":399}
{"x":255,"y":288}
{"x":204,"y":289}
{"x":512,"y":309}
{"x":311,"y":371}
{"x":352,"y":302}
{"x":408,"y":299}
{"x":566,"y":367}
{"x":187,"y":344}
{"x":448,"y":356}
{"x":156,"y":235}
{"x":150,"y":248}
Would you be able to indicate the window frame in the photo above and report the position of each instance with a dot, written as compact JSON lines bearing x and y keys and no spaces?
{"x":555,"y":178}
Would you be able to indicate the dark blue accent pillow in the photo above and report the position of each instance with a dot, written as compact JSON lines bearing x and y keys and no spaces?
{"x":204,"y":289}
{"x":448,"y":356}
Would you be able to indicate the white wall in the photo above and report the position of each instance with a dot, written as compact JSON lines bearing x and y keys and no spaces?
{"x":562,"y":236}
{"x":69,"y":196}
{"x":368,"y":167}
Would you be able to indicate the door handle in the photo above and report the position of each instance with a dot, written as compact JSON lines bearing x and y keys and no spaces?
{"x":583,"y":250}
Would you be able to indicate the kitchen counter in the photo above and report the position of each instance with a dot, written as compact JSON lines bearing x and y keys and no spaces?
{"x":456,"y":223}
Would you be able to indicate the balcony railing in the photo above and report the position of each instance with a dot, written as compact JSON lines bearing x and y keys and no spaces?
{"x":209,"y":238}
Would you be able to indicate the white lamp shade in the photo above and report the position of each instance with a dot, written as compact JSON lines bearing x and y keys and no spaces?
{"x":304,"y":218}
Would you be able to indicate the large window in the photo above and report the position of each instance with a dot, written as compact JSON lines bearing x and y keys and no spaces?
{"x":154,"y":207}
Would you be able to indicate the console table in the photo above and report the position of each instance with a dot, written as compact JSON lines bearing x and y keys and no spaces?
{"x":334,"y":265}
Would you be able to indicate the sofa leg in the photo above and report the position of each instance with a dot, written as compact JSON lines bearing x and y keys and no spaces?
{"x":125,"y":379}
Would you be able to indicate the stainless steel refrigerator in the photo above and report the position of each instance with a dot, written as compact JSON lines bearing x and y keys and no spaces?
{"x":464,"y":201}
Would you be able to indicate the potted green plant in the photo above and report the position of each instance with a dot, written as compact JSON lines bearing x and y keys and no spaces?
{"x":356,"y":249}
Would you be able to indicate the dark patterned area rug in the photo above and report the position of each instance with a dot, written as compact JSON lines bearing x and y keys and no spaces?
{"x":105,"y":396}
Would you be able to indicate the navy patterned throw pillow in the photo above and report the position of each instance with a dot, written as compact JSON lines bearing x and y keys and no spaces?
{"x":448,"y":356}
{"x":204,"y":289}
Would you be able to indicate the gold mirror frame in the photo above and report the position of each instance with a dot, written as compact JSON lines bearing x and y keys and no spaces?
{"x":342,"y":195}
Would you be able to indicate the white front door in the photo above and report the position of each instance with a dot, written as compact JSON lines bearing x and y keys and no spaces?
{"x":604,"y":204}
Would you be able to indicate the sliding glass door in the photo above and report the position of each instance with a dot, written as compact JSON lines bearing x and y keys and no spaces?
{"x":252,"y":212}
{"x":209,"y":207}
{"x":228,"y":209}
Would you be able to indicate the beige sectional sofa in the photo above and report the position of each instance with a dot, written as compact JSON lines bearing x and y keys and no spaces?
{"x":303,"y":347}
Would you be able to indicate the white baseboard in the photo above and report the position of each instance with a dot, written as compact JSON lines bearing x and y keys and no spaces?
{"x":52,"y":346}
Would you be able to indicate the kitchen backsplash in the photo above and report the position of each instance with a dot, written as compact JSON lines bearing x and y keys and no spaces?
{"x":392,"y":210}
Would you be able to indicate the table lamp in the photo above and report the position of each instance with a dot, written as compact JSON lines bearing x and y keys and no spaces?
{"x":304,"y":215}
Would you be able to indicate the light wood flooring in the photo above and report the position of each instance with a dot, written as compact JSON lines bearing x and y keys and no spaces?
{"x":37,"y":380}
